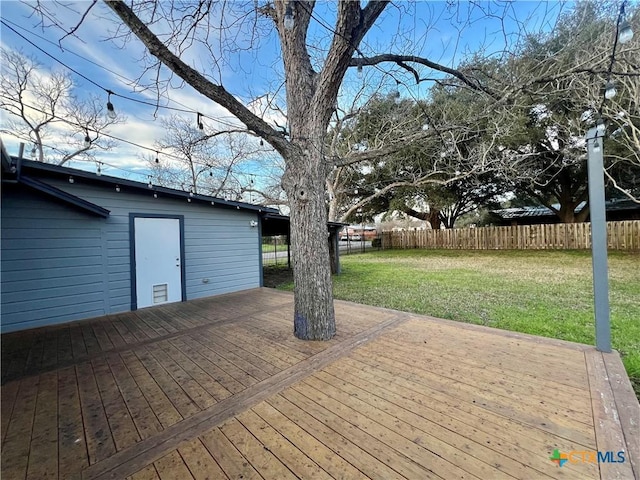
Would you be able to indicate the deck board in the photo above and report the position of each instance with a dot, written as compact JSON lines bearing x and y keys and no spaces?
{"x":201,"y":465}
{"x":43,"y":454}
{"x":142,"y":414}
{"x":16,"y":446}
{"x":72,"y":447}
{"x":219,"y":388}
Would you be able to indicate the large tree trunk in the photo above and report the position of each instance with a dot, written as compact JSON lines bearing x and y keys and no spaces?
{"x":567,"y":213}
{"x":304,"y":182}
{"x":434,"y":218}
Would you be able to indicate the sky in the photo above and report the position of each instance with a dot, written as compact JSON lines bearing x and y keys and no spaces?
{"x":443,"y":32}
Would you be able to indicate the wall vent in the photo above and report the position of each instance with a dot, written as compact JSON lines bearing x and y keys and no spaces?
{"x":160,"y":293}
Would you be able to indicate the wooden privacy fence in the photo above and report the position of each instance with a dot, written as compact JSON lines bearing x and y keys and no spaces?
{"x":560,"y":236}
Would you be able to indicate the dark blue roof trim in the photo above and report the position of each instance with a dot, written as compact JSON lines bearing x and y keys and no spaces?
{"x":64,"y":196}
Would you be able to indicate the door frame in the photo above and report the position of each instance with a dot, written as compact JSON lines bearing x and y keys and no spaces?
{"x":132,"y":253}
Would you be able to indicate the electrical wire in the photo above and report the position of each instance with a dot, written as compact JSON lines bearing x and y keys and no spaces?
{"x":113,"y":137}
{"x":613,"y":54}
{"x":115,"y":94}
{"x":7,"y":23}
{"x":67,"y":50}
{"x":145,"y":173}
{"x":137,"y":145}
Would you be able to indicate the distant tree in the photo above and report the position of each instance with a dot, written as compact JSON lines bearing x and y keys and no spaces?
{"x":545,"y":156}
{"x":436,"y":178}
{"x":217,"y":163}
{"x":42,"y":109}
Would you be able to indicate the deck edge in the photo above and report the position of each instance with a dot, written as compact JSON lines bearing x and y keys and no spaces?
{"x":607,"y":424}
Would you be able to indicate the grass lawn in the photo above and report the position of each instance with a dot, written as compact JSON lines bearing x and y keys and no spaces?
{"x":271,"y":248}
{"x":547,"y":293}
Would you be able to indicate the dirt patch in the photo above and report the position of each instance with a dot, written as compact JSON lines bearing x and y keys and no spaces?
{"x":276,"y":276}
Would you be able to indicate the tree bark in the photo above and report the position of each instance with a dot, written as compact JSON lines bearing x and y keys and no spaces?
{"x":304,"y":182}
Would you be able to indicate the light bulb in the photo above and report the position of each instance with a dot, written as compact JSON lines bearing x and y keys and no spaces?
{"x":155,"y":195}
{"x":625,"y":34}
{"x":157,"y":159}
{"x":111,"y":113}
{"x":99,"y":171}
{"x":71,"y":180}
{"x":600,"y":126}
{"x":610,"y":90}
{"x":288,"y":18}
{"x":189,"y":200}
{"x":425,"y":127}
{"x":33,"y":153}
{"x":360,"y":73}
{"x":118,"y":188}
{"x":87,"y":141}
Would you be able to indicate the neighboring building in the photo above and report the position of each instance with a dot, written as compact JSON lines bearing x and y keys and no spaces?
{"x":617,"y":210}
{"x":358,"y":233}
{"x":76,"y":245}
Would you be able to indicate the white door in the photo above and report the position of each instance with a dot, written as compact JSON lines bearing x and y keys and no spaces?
{"x":158,"y":261}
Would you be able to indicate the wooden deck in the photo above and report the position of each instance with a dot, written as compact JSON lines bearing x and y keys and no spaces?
{"x":219,"y":388}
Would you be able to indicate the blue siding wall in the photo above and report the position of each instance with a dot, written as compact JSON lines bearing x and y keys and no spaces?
{"x":59,"y":264}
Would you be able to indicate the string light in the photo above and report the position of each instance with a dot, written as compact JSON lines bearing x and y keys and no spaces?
{"x":143,"y":147}
{"x":396,"y":92}
{"x":610,"y":90}
{"x":33,"y":152}
{"x":288,"y":17}
{"x":157,"y":159}
{"x":625,"y":34}
{"x":87,"y":140}
{"x":150,"y":183}
{"x":71,"y":180}
{"x":360,"y":71}
{"x":111,"y":112}
{"x":99,"y":170}
{"x":199,"y":121}
{"x":155,"y":194}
